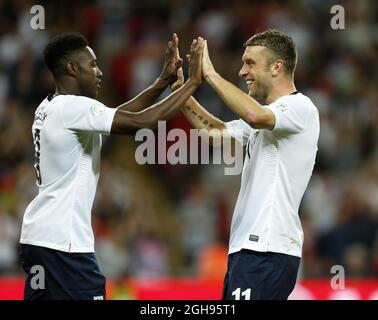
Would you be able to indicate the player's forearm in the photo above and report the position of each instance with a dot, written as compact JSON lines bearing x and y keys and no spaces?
{"x":126,"y":122}
{"x":146,"y":98}
{"x":199,"y":117}
{"x":168,"y":107}
{"x":237,"y":101}
{"x":212,"y":128}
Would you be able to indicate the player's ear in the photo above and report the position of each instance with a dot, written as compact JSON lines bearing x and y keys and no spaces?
{"x":277,"y":67}
{"x":72,"y":69}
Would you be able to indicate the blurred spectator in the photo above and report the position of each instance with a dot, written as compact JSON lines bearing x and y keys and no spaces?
{"x":212,"y":262}
{"x":149,"y":257}
{"x":154,"y":221}
{"x":199,"y":221}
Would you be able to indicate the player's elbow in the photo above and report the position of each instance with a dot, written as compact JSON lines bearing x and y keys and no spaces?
{"x":128,"y":122}
{"x":211,"y":137}
{"x":263,"y":119}
{"x":144,"y":120}
{"x":214,"y":136}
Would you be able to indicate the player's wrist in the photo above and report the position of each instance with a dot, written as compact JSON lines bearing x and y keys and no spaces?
{"x":175,"y":86}
{"x":194,"y":82}
{"x":163,"y":81}
{"x":210,"y":75}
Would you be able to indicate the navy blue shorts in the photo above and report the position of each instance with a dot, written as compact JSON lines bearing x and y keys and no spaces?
{"x":253,"y":275}
{"x":57,"y":275}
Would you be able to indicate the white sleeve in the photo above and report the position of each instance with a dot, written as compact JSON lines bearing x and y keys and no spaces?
{"x":240,"y":130}
{"x":291,"y":116}
{"x":86,"y":114}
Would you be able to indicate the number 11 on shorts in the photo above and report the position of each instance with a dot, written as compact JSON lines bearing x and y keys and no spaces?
{"x":246,"y":294}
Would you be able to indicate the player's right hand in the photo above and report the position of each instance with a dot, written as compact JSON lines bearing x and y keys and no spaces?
{"x":195,"y":60}
{"x":180,"y":80}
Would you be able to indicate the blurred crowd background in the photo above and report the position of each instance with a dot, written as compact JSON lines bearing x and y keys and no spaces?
{"x":165,"y":220}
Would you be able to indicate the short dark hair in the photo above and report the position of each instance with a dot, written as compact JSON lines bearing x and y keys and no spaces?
{"x":62,"y":47}
{"x":281,"y":45}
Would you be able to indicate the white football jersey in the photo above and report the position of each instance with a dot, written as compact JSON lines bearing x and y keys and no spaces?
{"x":67,"y":139}
{"x":277,"y":168}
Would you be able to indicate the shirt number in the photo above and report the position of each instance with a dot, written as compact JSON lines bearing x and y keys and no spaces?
{"x":246,"y":294}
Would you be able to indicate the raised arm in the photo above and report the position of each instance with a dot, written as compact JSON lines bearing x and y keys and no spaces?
{"x":168,"y":75}
{"x":247,"y":108}
{"x":126,"y":122}
{"x":195,"y":113}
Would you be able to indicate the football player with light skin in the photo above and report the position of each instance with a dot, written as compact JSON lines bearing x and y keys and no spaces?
{"x":265,"y":81}
{"x":281,"y":141}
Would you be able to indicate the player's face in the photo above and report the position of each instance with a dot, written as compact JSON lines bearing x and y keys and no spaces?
{"x":256,"y":72}
{"x":89,"y":77}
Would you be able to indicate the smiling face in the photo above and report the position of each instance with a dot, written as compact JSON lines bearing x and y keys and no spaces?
{"x":89,"y":75}
{"x":256,"y":71}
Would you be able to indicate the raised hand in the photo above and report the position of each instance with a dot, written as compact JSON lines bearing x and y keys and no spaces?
{"x":179,"y":81}
{"x":207,"y":65}
{"x":172,"y":62}
{"x":179,"y":74}
{"x":195,"y":60}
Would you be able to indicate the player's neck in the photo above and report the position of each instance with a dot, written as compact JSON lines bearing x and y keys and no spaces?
{"x":67,"y":87}
{"x":281,"y":89}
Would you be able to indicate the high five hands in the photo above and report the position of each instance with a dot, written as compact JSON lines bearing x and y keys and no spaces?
{"x":172,"y":61}
{"x":199,"y":50}
{"x":207,"y":65}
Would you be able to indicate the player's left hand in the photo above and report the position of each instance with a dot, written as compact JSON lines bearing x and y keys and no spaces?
{"x":172,"y":62}
{"x":179,"y":74}
{"x":207,"y":65}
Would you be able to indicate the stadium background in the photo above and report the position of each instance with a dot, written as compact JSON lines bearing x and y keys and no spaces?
{"x":161,"y":230}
